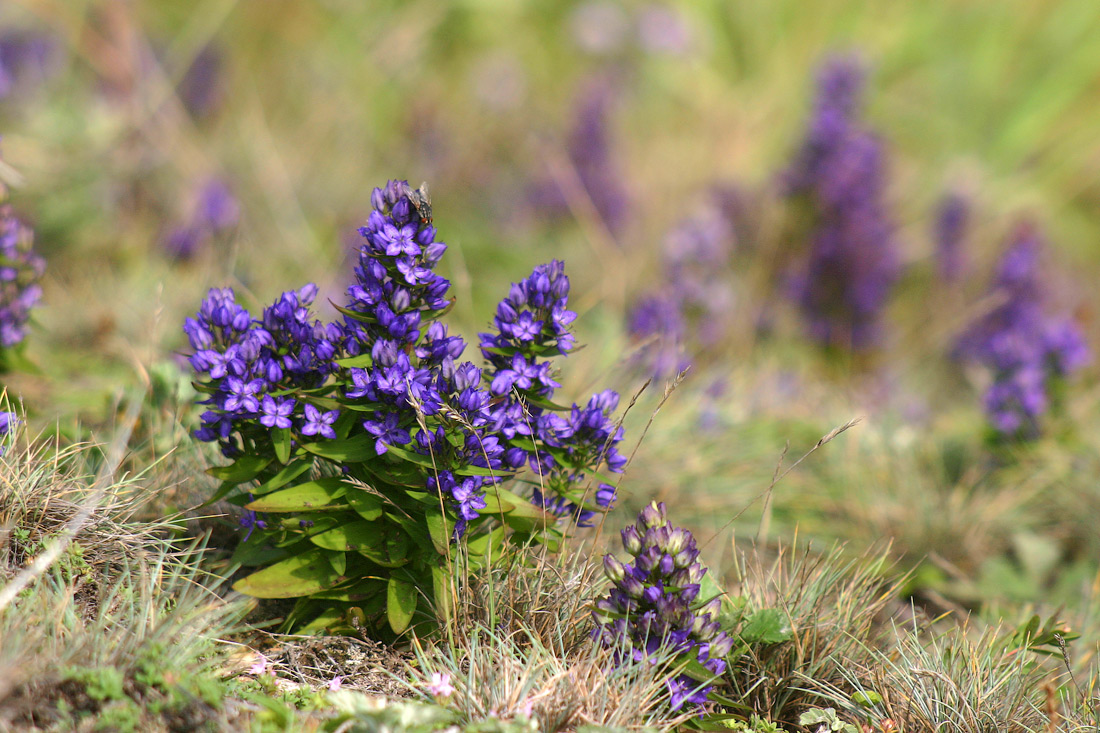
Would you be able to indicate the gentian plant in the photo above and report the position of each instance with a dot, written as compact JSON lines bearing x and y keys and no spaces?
{"x":366,"y":454}
{"x":655,"y":604}
{"x":838,"y":174}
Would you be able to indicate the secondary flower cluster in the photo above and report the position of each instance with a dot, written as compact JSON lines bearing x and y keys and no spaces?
{"x":697,"y":291}
{"x":215,"y":212}
{"x":1024,"y":347}
{"x":852,"y":262}
{"x":388,"y":373}
{"x":654,"y":603}
{"x":20,"y":270}
{"x":530,"y":324}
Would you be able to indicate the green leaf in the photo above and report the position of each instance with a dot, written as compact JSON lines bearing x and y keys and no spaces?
{"x":482,"y":471}
{"x":353,"y":450}
{"x":363,"y":360}
{"x":243,"y":469}
{"x":400,"y":603}
{"x":355,"y":315}
{"x":349,"y":537}
{"x":439,"y":529}
{"x":523,"y":508}
{"x":766,"y":626}
{"x":441,"y":592}
{"x":280,"y":439}
{"x":482,"y":543}
{"x":339,"y":562}
{"x":295,"y":576}
{"x":411,"y":457}
{"x":303,"y":497}
{"x":494,"y":504}
{"x":867,"y":699}
{"x":365,"y":504}
{"x":284,"y":476}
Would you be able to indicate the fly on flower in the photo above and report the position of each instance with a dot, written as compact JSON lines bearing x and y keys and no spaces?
{"x":421,"y":202}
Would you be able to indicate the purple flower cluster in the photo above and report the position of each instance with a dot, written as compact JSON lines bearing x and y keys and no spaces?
{"x":530,"y":324}
{"x":590,"y":154}
{"x":852,"y":262}
{"x":691,"y":312}
{"x":1024,"y":347}
{"x":393,"y":366}
{"x":253,"y":363}
{"x":949,"y":231}
{"x":20,"y":270}
{"x":654,"y":603}
{"x":215,"y":213}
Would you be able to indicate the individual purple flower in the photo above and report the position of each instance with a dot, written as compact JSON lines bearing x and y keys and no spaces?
{"x":1025,"y":348}
{"x":388,"y":430}
{"x":654,"y":606}
{"x":26,"y":59}
{"x":276,"y":412}
{"x":319,"y":423}
{"x":852,"y":261}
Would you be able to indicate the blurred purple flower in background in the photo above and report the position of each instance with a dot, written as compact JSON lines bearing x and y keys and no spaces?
{"x":202,"y":88}
{"x":591,"y":156}
{"x":215,"y":212}
{"x":20,"y":270}
{"x":1024,"y":348}
{"x":952,"y":216}
{"x":26,"y":59}
{"x":691,"y":310}
{"x":852,"y":261}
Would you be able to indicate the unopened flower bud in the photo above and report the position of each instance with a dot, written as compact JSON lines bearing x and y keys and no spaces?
{"x":632,"y":587}
{"x":613,"y":569}
{"x":652,"y":516}
{"x":632,"y":541}
{"x":721,"y":645}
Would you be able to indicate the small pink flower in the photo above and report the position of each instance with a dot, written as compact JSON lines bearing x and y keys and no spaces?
{"x":336,"y":683}
{"x":260,"y":667}
{"x":440,"y":685}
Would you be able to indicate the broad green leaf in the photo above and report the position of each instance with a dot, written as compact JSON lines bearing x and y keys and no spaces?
{"x":353,"y":450}
{"x":766,"y":626}
{"x":295,"y":576}
{"x":303,"y":497}
{"x":243,"y":469}
{"x":339,"y":562}
{"x":441,"y":592}
{"x":482,"y":543}
{"x":350,"y":537}
{"x":867,"y":698}
{"x":390,"y":548}
{"x":439,"y":529}
{"x":352,"y":593}
{"x":284,"y":476}
{"x":482,"y":471}
{"x":363,"y":360}
{"x":365,"y":504}
{"x":494,"y":504}
{"x":521,"y":508}
{"x":411,"y":457}
{"x":280,"y":440}
{"x":355,"y":315}
{"x":400,"y":603}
